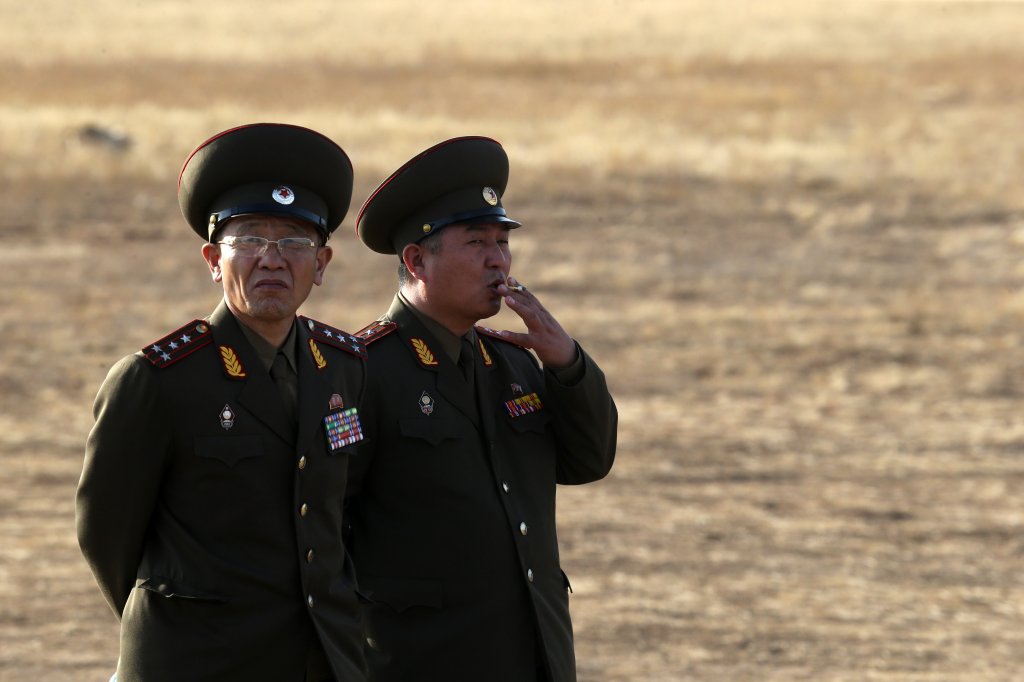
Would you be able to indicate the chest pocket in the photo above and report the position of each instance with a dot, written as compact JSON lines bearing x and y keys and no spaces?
{"x":432,"y":430}
{"x":534,"y":422}
{"x":228,"y":449}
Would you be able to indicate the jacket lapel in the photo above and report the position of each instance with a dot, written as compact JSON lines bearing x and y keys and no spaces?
{"x":313,"y":386}
{"x":449,"y":379}
{"x":258,"y":394}
{"x":486,"y":376}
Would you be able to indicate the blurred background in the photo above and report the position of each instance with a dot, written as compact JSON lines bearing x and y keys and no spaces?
{"x":789,"y":232}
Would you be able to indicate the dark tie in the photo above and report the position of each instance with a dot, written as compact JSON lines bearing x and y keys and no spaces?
{"x":466,"y":356}
{"x":287,"y":383}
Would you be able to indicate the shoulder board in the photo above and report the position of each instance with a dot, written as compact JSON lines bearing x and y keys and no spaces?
{"x":495,"y":334}
{"x":376,"y":331}
{"x":179,"y":344}
{"x":334,"y":337}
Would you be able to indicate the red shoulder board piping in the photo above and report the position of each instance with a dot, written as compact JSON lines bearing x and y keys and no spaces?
{"x":179,"y":344}
{"x":334,"y":337}
{"x":495,"y":334}
{"x":375,"y":331}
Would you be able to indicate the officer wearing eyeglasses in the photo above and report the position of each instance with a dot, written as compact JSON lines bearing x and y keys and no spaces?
{"x":210,"y":502}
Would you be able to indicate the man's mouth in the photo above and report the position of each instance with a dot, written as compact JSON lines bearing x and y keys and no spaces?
{"x":271,"y":284}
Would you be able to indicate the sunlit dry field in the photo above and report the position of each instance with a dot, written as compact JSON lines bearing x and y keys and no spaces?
{"x":790,"y":232}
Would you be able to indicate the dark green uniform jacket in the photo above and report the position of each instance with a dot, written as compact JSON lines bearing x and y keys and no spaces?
{"x":213,"y":524}
{"x":452,"y":505}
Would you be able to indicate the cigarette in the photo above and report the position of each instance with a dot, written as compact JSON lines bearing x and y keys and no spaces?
{"x":516,"y":287}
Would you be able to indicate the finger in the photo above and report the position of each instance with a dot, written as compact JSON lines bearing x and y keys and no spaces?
{"x":511,"y":285}
{"x":524,"y":340}
{"x":538,"y":324}
{"x":536,"y":317}
{"x":515,"y":285}
{"x":529,"y":310}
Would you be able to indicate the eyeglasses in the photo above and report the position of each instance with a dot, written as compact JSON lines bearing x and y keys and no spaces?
{"x":254,"y":247}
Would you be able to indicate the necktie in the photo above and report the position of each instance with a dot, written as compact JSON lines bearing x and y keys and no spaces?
{"x":287,"y":383}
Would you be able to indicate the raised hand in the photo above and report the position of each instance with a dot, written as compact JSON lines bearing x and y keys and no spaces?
{"x":553,"y":346}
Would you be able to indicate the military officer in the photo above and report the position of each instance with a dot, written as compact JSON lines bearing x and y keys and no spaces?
{"x":451,"y":504}
{"x":210,"y":501}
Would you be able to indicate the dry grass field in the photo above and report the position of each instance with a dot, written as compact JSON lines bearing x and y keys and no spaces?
{"x":791,"y":232}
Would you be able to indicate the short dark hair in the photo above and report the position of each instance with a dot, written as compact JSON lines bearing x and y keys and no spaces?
{"x":431,"y":243}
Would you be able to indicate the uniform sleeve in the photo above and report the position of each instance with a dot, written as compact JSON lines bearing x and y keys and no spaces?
{"x":124,"y":461}
{"x":586,"y":423}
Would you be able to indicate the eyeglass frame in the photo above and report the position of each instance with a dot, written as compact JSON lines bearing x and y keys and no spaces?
{"x":310,"y":245}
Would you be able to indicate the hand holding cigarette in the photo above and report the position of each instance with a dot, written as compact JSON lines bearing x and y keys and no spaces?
{"x":554,"y":347}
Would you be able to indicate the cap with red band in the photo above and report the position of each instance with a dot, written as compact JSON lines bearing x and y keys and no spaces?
{"x":456,"y":181}
{"x":266,"y":168}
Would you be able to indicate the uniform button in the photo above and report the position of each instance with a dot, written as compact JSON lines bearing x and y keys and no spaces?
{"x":529,"y":575}
{"x":372,"y":642}
{"x":304,"y":509}
{"x":505,"y":486}
{"x":309,"y":600}
{"x":523,"y":528}
{"x":309,"y":556}
{"x":302,"y":462}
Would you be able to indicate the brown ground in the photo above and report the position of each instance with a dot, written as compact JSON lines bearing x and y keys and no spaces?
{"x":790,"y":234}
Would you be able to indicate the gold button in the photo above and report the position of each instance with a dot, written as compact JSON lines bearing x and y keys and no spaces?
{"x":304,"y":509}
{"x":523,"y":528}
{"x":302,"y":462}
{"x":309,"y":556}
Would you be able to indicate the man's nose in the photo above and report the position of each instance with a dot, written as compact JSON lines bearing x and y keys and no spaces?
{"x":272,"y":258}
{"x":496,"y":255}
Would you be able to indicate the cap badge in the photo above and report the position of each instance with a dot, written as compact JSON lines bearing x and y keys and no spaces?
{"x":490,"y":196}
{"x":227,"y":417}
{"x":426,"y":403}
{"x":283,"y":195}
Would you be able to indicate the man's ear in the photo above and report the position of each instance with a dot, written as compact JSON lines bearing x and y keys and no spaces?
{"x":412,"y":256}
{"x":212,"y":256}
{"x":323,"y":257}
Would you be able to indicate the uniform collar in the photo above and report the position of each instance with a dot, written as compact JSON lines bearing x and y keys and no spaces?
{"x":266,"y":351}
{"x":450,"y":343}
